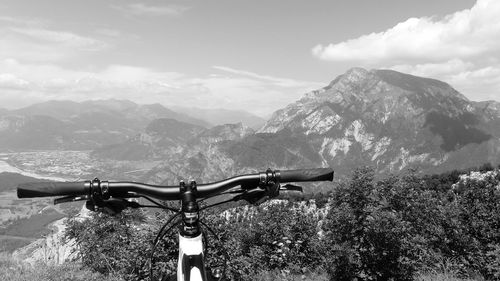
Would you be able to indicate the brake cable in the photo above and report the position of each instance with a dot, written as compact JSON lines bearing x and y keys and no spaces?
{"x":159,"y":237}
{"x":234,"y":191}
{"x":157,"y":204}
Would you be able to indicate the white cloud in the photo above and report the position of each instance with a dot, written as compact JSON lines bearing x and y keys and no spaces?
{"x":141,"y":9}
{"x":11,"y":81}
{"x":278,"y":81}
{"x":35,"y":41}
{"x":61,"y":38}
{"x":464,"y":34}
{"x":244,"y":90}
{"x":462,"y":49}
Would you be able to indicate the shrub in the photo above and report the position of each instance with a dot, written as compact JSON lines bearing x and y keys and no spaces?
{"x":277,"y":236}
{"x":368,"y":236}
{"x":120,"y":245}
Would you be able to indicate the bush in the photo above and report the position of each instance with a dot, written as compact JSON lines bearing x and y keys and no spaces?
{"x":398,"y":228}
{"x":120,"y":245}
{"x":278,"y":236}
{"x":368,"y":237}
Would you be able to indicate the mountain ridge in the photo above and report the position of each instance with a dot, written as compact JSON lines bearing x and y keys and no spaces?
{"x":63,"y":124}
{"x":361,"y":118}
{"x":381,"y":118}
{"x":366,"y":115}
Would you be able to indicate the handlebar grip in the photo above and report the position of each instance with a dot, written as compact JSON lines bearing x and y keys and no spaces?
{"x":45,"y":189}
{"x":319,"y":174}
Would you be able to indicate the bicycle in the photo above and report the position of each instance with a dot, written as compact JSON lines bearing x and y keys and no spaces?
{"x":113,"y":197}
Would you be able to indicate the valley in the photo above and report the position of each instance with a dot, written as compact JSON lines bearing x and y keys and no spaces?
{"x":387,"y":120}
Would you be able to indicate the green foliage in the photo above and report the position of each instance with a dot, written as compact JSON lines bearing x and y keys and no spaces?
{"x":398,"y":228}
{"x":368,"y":237}
{"x":120,"y":245}
{"x":280,"y":236}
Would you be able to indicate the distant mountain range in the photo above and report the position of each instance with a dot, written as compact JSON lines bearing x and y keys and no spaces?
{"x":91,"y":124}
{"x":381,"y":118}
{"x":221,"y":116}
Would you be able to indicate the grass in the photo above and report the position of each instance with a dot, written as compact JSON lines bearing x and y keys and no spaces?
{"x":14,"y":270}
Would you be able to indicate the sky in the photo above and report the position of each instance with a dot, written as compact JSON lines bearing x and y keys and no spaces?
{"x":253,"y":55}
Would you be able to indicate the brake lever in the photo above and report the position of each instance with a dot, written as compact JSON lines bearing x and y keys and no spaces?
{"x":111,"y":206}
{"x":70,"y":198}
{"x":292,"y":187}
{"x":253,"y":196}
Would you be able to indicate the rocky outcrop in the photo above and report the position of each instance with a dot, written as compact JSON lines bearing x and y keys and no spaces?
{"x":53,"y":249}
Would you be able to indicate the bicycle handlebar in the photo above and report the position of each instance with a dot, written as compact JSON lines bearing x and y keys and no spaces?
{"x":46,"y":189}
{"x":320,"y":174}
{"x":124,"y":189}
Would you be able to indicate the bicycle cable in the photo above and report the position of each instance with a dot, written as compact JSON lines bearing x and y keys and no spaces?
{"x":160,"y":236}
{"x":156,"y":203}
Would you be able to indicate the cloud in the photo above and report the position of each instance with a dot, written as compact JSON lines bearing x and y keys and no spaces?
{"x":461,"y":48}
{"x":35,"y":41}
{"x":61,"y":38}
{"x":141,"y":9}
{"x":23,"y":21}
{"x":11,"y":81}
{"x":23,"y":84}
{"x":464,"y":34}
{"x":278,"y":81}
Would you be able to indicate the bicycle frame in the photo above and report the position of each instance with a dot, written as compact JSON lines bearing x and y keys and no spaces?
{"x":191,"y":262}
{"x":191,"y":266}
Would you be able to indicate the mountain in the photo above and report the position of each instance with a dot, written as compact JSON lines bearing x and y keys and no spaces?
{"x":220,"y":116}
{"x":79,"y":126}
{"x":381,"y":118}
{"x":392,"y":121}
{"x":32,"y":131}
{"x":161,"y":137}
{"x":140,"y":115}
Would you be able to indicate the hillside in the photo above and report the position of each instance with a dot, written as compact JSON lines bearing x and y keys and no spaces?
{"x":392,"y":121}
{"x":381,"y":118}
{"x":63,"y":125}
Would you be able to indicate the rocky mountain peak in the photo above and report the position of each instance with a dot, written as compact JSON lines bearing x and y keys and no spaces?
{"x":354,"y":75}
{"x":389,"y":119}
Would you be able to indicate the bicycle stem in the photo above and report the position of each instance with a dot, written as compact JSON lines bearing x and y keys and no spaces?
{"x":191,"y":262}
